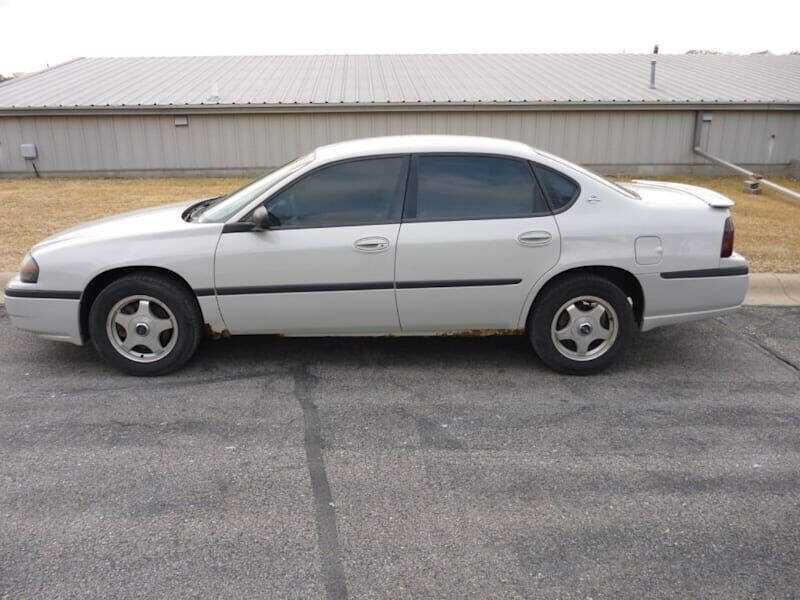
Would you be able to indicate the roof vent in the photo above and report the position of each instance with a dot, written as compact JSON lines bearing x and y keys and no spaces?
{"x":214,"y":97}
{"x":652,"y":74}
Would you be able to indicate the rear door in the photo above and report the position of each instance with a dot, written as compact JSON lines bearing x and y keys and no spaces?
{"x":327,"y":265}
{"x":476,"y":235}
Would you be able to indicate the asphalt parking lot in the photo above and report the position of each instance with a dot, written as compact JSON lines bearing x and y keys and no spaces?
{"x":376,"y":468}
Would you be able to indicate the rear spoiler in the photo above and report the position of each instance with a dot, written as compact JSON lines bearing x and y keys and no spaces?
{"x":710,"y":197}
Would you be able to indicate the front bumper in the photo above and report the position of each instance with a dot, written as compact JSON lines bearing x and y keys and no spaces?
{"x":51,"y":318}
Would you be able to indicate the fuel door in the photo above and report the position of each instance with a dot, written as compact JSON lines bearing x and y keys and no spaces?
{"x":649,"y":250}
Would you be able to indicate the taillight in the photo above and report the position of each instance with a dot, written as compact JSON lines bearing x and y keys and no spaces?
{"x":727,"y":239}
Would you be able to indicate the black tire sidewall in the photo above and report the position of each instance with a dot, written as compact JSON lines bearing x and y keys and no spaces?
{"x":554,"y":297}
{"x":182,"y":304}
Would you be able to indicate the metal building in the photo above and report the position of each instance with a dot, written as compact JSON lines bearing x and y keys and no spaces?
{"x":211,"y":115}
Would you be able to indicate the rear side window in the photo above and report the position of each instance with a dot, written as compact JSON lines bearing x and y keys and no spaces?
{"x":560,"y":189}
{"x":475,"y":187}
{"x":357,"y":192}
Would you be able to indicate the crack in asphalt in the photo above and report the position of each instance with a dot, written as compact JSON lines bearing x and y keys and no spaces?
{"x":324,"y":510}
{"x":753,"y":341}
{"x":758,"y":343}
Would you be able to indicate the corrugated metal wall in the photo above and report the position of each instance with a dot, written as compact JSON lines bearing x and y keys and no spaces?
{"x":235,"y":142}
{"x":753,"y":137}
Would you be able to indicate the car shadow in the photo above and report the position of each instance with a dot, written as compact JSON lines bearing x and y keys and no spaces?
{"x":485,"y":352}
{"x":508,"y":353}
{"x":251,"y":355}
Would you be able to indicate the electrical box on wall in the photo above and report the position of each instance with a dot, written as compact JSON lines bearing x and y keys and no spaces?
{"x":28,"y":151}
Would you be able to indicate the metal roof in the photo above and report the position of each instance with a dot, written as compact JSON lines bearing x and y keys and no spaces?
{"x":405,"y":80}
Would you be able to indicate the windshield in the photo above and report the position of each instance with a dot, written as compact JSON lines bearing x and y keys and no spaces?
{"x":234,"y":202}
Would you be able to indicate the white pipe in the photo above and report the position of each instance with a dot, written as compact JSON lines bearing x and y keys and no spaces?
{"x":795,"y":196}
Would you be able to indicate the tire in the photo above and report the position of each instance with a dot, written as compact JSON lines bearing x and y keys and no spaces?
{"x":581,"y":325}
{"x":149,"y":308}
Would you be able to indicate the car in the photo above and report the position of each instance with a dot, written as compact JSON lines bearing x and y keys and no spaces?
{"x":401,"y":235}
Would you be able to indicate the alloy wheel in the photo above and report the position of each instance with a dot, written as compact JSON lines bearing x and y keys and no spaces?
{"x":584,"y":328}
{"x":142,"y":328}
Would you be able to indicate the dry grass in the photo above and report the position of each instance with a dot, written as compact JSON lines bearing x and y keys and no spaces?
{"x":32,"y":209}
{"x":767,"y":226}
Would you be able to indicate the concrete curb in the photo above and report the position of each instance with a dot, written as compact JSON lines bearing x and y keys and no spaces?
{"x":766,"y":289}
{"x":776,"y":289}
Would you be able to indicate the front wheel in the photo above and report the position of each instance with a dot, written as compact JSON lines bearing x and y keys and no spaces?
{"x":581,"y":325}
{"x":145,"y":324}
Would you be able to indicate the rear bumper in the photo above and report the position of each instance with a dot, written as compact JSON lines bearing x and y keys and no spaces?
{"x":51,"y":318}
{"x":692,"y":295}
{"x":649,"y":323}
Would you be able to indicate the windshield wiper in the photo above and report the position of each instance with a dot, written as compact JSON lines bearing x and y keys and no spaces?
{"x":198,"y":208}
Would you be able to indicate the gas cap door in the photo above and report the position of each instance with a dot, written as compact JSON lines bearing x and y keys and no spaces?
{"x":649,"y":250}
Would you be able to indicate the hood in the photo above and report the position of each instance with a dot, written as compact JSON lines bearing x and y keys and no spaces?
{"x":147,"y":221}
{"x":659,"y":192}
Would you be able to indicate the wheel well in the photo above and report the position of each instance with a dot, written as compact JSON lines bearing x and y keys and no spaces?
{"x":103,"y":280}
{"x":625,"y":280}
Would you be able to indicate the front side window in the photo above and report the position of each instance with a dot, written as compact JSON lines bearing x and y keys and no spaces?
{"x":560,"y":189}
{"x":359,"y":192}
{"x":475,"y":187}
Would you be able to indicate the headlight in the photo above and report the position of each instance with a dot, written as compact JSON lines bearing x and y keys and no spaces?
{"x":28,"y":270}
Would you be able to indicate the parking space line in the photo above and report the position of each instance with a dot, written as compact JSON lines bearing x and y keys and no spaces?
{"x":325,"y":512}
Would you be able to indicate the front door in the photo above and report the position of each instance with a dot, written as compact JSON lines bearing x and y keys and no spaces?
{"x":476,"y":236}
{"x":327,"y":265}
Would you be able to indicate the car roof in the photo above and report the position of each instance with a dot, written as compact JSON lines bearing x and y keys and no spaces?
{"x":403,"y":144}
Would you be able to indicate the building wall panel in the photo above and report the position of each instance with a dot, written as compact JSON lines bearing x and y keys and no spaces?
{"x":235,"y":142}
{"x":755,"y":137}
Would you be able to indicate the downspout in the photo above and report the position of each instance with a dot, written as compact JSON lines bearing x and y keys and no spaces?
{"x":698,"y":123}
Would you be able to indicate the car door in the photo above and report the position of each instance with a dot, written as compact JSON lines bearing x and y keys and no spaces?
{"x":327,"y":264}
{"x":476,"y":235}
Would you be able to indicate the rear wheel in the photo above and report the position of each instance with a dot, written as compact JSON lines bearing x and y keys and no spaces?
{"x":145,"y":324}
{"x":581,"y":324}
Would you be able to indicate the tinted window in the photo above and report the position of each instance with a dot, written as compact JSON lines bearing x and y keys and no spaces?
{"x":468,"y":187}
{"x":349,"y":193}
{"x":559,"y":188}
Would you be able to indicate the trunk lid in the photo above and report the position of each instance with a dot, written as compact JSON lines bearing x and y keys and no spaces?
{"x":659,"y":191}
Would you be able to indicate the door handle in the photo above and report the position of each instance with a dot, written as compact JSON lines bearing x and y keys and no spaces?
{"x":535,"y":238}
{"x":371,"y":244}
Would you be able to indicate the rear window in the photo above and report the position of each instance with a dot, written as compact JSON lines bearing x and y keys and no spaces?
{"x":560,"y":189}
{"x":475,"y":187}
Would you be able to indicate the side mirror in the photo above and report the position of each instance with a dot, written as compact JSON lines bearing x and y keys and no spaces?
{"x":262,"y":219}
